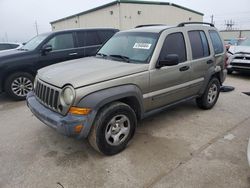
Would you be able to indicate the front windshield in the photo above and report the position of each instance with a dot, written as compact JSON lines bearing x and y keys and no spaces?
{"x":245,"y":42}
{"x":34,"y":42}
{"x":135,"y":47}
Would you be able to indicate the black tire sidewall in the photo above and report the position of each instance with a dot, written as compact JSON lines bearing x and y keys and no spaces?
{"x":107,"y":115}
{"x":9,"y":81}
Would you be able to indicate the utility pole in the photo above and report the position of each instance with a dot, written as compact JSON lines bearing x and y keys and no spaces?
{"x":229,"y":24}
{"x":212,"y":19}
{"x":6,"y":37}
{"x":36,"y":28}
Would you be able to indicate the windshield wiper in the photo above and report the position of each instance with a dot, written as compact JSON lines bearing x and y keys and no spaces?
{"x":101,"y":54}
{"x":23,"y":49}
{"x":125,"y":58}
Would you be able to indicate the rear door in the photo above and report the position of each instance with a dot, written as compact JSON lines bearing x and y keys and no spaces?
{"x":88,"y":43}
{"x":63,"y":49}
{"x":202,"y":58}
{"x":170,"y":83}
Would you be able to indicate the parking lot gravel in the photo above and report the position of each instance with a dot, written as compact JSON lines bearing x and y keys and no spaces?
{"x":180,"y":147}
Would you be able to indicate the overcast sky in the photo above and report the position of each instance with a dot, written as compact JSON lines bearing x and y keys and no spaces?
{"x":18,"y":17}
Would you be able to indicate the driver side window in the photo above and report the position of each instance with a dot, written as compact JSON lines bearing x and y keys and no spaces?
{"x":62,"y":42}
{"x":174,"y":44}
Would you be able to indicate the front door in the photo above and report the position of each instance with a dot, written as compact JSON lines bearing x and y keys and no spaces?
{"x":170,"y":83}
{"x":63,"y":49}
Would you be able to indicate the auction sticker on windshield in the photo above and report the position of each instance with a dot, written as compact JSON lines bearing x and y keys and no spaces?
{"x":145,"y":46}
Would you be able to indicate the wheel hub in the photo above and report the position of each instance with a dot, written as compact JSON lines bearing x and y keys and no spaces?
{"x":212,"y":93}
{"x":21,"y":86}
{"x":117,"y":130}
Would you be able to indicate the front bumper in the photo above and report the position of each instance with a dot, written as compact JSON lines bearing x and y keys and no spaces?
{"x":239,"y":64}
{"x":63,"y":124}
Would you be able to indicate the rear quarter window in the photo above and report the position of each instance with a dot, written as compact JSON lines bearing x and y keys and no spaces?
{"x":216,"y":41}
{"x":105,"y":35}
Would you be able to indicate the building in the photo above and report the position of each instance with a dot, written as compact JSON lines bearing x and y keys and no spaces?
{"x":233,"y":34}
{"x":125,"y":14}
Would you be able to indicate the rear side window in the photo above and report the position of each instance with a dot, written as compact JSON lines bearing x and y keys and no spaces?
{"x":62,"y":42}
{"x":174,"y":44}
{"x":216,"y":41}
{"x":199,"y":44}
{"x":88,"y":38}
{"x":105,"y":35}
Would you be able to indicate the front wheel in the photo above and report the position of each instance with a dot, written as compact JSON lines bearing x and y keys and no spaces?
{"x":18,"y":85}
{"x":113,"y":128}
{"x":210,"y":96}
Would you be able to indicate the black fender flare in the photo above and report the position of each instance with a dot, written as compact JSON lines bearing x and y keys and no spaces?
{"x":98,"y":99}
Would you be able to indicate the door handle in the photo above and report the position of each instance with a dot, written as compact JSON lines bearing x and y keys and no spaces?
{"x":210,"y":61}
{"x":71,"y":54}
{"x":185,"y":68}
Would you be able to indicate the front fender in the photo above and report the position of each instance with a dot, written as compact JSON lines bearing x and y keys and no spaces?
{"x":98,"y":99}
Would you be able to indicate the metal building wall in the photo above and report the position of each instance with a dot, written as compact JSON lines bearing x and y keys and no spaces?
{"x":138,"y":14}
{"x":106,"y":17}
{"x":128,"y":15}
{"x":66,"y":24}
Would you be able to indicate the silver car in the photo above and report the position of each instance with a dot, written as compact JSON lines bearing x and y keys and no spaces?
{"x":239,"y":59}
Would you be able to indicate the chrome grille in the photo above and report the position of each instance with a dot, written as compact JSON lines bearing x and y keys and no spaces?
{"x":48,"y":95}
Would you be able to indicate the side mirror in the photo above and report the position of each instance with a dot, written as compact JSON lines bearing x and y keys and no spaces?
{"x":169,"y":60}
{"x":46,"y":49}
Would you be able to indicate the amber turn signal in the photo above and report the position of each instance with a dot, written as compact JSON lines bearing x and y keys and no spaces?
{"x":79,"y":111}
{"x":78,"y":128}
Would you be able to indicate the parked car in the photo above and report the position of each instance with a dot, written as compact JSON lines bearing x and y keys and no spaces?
{"x":239,"y":59}
{"x":18,"y":67}
{"x":135,"y":74}
{"x":9,"y":46}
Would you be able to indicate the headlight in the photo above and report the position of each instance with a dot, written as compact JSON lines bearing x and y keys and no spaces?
{"x":68,"y":95}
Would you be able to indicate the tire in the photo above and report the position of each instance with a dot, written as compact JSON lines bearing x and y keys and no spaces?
{"x":210,"y":96}
{"x":108,"y":135}
{"x":229,"y":71}
{"x":17,"y":85}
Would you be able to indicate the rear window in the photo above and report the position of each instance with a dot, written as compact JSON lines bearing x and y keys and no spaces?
{"x":199,"y":44}
{"x":216,"y":41}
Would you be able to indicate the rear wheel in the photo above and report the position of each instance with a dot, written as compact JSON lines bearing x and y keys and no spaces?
{"x":18,"y":85}
{"x":210,"y":96}
{"x":113,"y":128}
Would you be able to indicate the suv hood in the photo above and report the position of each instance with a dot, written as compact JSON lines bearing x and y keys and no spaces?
{"x":11,"y":54}
{"x":87,"y":71}
{"x":239,"y":49}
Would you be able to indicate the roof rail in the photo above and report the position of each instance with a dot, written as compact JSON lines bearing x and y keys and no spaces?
{"x":186,"y":23}
{"x":148,"y":25}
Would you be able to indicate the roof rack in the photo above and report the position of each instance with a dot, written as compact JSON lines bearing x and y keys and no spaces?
{"x":186,"y":23}
{"x":148,"y":25}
